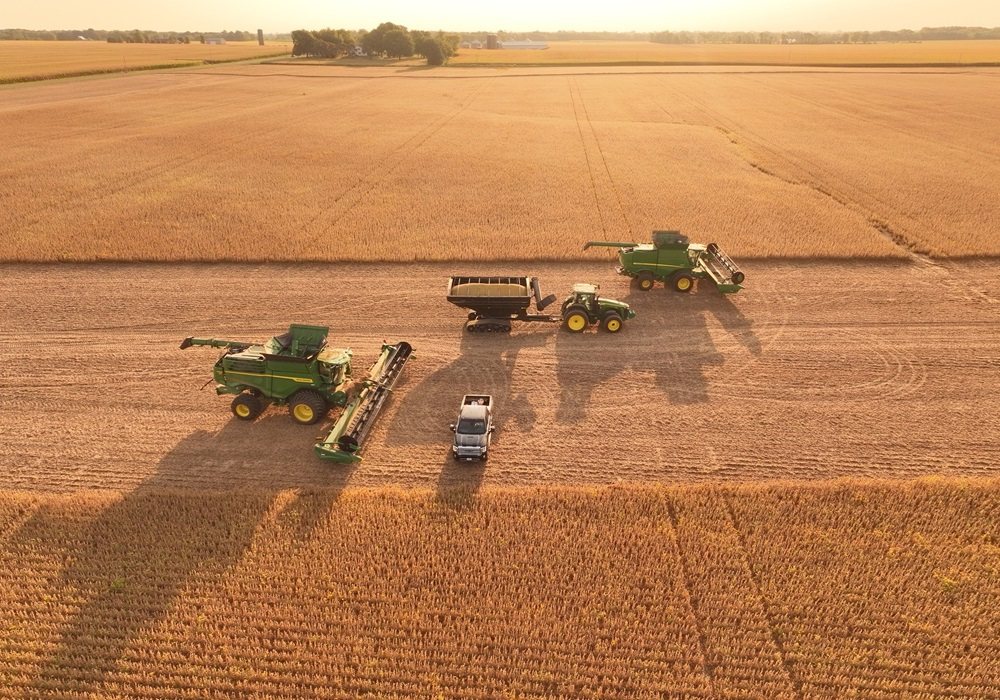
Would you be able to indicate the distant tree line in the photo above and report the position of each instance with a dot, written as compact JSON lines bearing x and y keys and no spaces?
{"x":387,"y":40}
{"x":902,"y":35}
{"x":115,"y":36}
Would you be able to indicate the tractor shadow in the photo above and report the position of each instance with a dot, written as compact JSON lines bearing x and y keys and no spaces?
{"x":130,"y":562}
{"x":485,"y":364}
{"x":671,"y":334}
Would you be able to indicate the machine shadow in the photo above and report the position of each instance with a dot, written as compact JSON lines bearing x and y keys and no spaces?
{"x":459,"y":482}
{"x":130,"y":563}
{"x":679,"y":351}
{"x":485,"y":364}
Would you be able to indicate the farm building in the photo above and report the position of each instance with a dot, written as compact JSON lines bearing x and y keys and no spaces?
{"x":477,"y":44}
{"x":214,"y":40}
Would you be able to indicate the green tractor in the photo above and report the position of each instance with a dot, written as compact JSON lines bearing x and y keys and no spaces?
{"x":676,"y":262}
{"x":585,"y":307}
{"x":296,"y":369}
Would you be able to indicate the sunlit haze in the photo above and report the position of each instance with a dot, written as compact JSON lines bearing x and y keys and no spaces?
{"x":510,"y":15}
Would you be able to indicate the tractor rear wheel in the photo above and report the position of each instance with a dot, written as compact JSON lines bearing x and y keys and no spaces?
{"x":612,"y":322}
{"x":643,"y":281}
{"x":576,"y":319}
{"x":307,"y":407}
{"x":682,"y":282}
{"x":246,"y":407}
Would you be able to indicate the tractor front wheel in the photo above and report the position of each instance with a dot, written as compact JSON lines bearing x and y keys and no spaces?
{"x":643,"y":281}
{"x":576,"y":319}
{"x":682,"y":282}
{"x":612,"y":322}
{"x":307,"y":407}
{"x":246,"y":407}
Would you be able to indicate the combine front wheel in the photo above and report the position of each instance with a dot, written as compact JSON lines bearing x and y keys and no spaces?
{"x":246,"y":407}
{"x":307,"y":407}
{"x":575,"y":319}
{"x":682,"y":282}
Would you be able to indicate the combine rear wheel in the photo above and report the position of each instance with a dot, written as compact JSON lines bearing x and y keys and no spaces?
{"x":307,"y":407}
{"x":612,"y":322}
{"x":682,"y":282}
{"x":246,"y":407}
{"x":643,"y":281}
{"x":576,"y":319}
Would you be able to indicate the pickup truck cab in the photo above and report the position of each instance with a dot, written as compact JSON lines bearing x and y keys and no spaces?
{"x":473,"y":429}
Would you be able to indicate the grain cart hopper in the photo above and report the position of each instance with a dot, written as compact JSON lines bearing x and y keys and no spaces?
{"x":673,"y":260}
{"x":344,"y":442}
{"x":494,"y":302}
{"x":296,"y":369}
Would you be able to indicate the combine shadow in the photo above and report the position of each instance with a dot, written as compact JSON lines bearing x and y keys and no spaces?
{"x":680,"y":348}
{"x":485,"y":365}
{"x":131,"y":562}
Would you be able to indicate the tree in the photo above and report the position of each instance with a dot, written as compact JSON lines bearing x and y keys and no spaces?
{"x":431,"y":49}
{"x":374,"y":41}
{"x":398,"y":44}
{"x":303,"y":43}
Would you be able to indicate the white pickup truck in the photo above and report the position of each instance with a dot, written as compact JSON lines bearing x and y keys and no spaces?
{"x":474,"y":428}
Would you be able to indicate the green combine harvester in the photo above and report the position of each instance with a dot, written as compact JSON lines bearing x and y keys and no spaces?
{"x":298,"y":370}
{"x":676,"y":262}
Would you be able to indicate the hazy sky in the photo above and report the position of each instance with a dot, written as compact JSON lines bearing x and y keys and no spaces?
{"x":511,"y":15}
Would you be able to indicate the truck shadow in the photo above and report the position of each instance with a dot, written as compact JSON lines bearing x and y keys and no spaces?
{"x":676,"y":347}
{"x":486,"y":364}
{"x":459,"y":482}
{"x":129,"y":561}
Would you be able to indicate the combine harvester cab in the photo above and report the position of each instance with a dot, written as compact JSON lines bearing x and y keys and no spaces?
{"x":672,"y":259}
{"x":345,"y":441}
{"x":295,"y":368}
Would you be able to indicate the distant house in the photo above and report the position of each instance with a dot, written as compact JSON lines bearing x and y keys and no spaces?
{"x":215,"y":40}
{"x":358,"y":51}
{"x":477,"y":44}
{"x":523,"y":44}
{"x":82,"y":38}
{"x":465,"y":45}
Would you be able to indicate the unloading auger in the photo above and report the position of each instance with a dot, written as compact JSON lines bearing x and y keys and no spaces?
{"x":345,"y":441}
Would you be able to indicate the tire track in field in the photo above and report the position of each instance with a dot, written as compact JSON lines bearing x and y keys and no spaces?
{"x":819,"y":179}
{"x":758,"y":592}
{"x":598,"y":173}
{"x":348,"y":200}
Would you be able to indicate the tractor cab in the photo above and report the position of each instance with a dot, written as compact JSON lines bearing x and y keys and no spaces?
{"x":300,"y":341}
{"x":586,"y":295}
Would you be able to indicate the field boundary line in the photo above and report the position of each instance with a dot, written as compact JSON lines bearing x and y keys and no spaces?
{"x":759,"y":594}
{"x":707,"y":667}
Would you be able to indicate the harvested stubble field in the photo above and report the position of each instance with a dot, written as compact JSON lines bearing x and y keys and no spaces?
{"x":874,"y":590}
{"x":816,"y":371}
{"x":37,"y":60}
{"x":298,"y":163}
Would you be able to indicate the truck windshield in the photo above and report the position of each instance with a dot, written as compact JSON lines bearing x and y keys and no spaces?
{"x":472,"y":426}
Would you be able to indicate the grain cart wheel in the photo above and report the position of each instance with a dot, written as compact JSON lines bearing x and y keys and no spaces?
{"x":246,"y":407}
{"x":643,"y":281}
{"x":575,"y":319}
{"x":682,"y":282}
{"x":307,"y":407}
{"x":612,"y":322}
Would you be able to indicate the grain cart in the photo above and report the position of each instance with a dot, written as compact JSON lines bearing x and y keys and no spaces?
{"x":344,"y":442}
{"x":676,"y":262}
{"x":296,"y":369}
{"x":494,"y":302}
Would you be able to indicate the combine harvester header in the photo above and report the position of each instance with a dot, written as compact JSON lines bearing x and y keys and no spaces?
{"x":344,"y":442}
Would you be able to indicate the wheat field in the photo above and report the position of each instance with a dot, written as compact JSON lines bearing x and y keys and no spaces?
{"x":36,"y":60}
{"x":639,"y":52}
{"x":876,"y":590}
{"x":250,"y":163}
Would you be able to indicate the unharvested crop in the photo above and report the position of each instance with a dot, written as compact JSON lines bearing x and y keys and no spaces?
{"x":878,"y":589}
{"x":321,"y":163}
